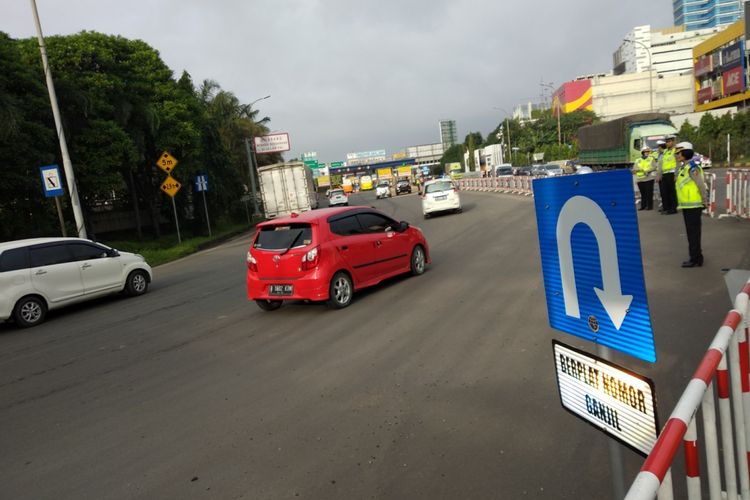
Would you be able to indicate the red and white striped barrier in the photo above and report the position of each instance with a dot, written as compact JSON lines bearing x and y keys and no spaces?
{"x":734,"y":420}
{"x":515,"y":184}
{"x":710,"y":180}
{"x":738,"y":193}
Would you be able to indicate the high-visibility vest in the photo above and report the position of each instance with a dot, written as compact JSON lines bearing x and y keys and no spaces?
{"x":668,"y":162}
{"x":643,"y":167}
{"x":688,"y":192}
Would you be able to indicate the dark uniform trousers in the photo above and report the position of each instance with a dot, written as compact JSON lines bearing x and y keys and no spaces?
{"x":647,"y":194}
{"x":668,"y":193}
{"x":693,"y":228}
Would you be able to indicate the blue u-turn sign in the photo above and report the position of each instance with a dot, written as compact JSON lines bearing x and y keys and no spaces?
{"x":591,"y":260}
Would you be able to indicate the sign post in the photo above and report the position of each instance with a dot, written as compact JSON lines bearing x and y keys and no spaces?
{"x":53,"y":188}
{"x":170,"y":186}
{"x":593,"y":273}
{"x":201,"y":185}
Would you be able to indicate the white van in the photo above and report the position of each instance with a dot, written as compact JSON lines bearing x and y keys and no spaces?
{"x":41,"y":274}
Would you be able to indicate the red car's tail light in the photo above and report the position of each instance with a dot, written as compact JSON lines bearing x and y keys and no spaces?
{"x":252,"y":264}
{"x":311,"y":259}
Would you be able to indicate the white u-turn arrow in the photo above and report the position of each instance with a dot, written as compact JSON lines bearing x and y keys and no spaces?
{"x":580,"y":209}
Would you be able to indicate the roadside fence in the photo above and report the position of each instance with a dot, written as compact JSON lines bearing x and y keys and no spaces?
{"x":738,"y":193}
{"x":738,"y":190}
{"x":733,"y":383}
{"x":512,"y":184}
{"x":710,"y":180}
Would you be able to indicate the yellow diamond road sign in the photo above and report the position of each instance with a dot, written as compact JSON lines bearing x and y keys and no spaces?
{"x":170,"y":186}
{"x":166,"y":162}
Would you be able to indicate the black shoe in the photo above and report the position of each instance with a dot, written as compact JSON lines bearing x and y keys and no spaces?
{"x":650,"y":208}
{"x":693,"y":263}
{"x":641,"y":209}
{"x":671,"y":212}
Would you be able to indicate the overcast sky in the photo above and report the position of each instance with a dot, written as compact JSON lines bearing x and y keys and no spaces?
{"x":346,"y":75}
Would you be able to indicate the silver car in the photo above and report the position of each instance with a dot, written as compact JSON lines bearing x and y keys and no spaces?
{"x":550,"y":170}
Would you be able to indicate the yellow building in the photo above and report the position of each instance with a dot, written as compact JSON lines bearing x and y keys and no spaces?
{"x":719,"y":69}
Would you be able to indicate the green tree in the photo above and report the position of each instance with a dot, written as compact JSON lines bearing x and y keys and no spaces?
{"x":27,"y":141}
{"x":472,"y":142}
{"x":454,"y":154}
{"x":121,"y":108}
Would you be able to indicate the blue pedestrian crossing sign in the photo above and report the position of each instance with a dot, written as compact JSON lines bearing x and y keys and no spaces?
{"x":51,"y":181}
{"x":591,"y":260}
{"x":201,"y":182}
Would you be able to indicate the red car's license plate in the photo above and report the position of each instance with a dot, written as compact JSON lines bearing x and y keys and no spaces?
{"x":282,"y":289}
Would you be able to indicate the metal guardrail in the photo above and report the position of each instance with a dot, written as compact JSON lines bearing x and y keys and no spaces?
{"x":734,"y":418}
{"x":738,"y":193}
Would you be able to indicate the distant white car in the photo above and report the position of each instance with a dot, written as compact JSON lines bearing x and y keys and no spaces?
{"x":41,"y":274}
{"x":383,"y":190}
{"x":439,"y":196}
{"x":337,"y":197}
{"x":704,"y":160}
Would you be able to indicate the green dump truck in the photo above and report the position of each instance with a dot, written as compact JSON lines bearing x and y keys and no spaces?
{"x":618,"y":143}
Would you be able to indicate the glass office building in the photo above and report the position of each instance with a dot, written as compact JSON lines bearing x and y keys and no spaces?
{"x":448,"y":133}
{"x":701,"y":14}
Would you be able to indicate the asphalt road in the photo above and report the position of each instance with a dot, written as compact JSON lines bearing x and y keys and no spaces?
{"x":439,"y":386}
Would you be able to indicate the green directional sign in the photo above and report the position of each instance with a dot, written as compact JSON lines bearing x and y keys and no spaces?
{"x":337,"y":164}
{"x":311,"y":163}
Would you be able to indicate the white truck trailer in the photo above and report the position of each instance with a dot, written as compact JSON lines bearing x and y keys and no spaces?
{"x":286,"y":188}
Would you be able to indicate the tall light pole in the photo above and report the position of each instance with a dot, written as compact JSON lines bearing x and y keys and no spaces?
{"x":67,"y":165}
{"x":650,"y":71}
{"x":251,"y":164}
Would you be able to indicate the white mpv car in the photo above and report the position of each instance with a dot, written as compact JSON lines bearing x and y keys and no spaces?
{"x":40,"y":274}
{"x":439,"y":196}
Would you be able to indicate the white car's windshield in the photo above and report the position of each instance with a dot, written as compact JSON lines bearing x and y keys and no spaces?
{"x":438,"y":186}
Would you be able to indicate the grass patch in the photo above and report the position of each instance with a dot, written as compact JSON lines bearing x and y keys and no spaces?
{"x":166,"y":249}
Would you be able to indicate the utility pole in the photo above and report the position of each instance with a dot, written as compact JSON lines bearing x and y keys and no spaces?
{"x":251,"y":171}
{"x":67,"y":165}
{"x":507,"y":129}
{"x":729,"y":150}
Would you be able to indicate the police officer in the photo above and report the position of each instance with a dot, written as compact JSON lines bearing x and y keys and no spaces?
{"x":643,"y":168}
{"x":691,"y":199}
{"x":661,"y":146}
{"x":666,"y":178}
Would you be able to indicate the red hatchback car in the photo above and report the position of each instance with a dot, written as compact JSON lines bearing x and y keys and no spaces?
{"x":328,"y":254}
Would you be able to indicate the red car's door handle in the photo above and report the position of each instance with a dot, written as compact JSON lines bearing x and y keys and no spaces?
{"x":344,"y":248}
{"x":378,"y":243}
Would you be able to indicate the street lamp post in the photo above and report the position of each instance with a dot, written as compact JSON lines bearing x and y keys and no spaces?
{"x":67,"y":164}
{"x":650,"y":71}
{"x":251,"y":163}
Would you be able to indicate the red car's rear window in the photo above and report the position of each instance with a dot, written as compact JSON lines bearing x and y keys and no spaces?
{"x":284,"y":237}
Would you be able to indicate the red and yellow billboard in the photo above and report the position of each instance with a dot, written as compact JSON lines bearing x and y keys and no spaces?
{"x":572,"y":96}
